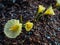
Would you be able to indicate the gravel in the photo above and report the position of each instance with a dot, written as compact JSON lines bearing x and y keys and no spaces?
{"x":45,"y":32}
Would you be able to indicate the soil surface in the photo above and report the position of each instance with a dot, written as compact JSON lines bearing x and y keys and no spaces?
{"x":45,"y":32}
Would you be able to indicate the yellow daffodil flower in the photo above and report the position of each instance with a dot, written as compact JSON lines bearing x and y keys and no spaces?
{"x":57,"y":2}
{"x":12,"y":28}
{"x":28,"y":26}
{"x":41,"y":8}
{"x":49,"y":11}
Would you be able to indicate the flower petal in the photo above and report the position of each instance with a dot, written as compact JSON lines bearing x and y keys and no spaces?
{"x":49,"y":11}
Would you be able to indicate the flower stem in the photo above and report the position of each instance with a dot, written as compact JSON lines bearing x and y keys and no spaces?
{"x":38,"y":16}
{"x":21,"y":19}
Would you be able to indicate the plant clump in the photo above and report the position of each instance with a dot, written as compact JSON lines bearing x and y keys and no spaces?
{"x":13,"y":28}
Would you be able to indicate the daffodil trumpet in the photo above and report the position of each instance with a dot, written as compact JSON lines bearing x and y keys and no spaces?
{"x":14,"y":28}
{"x":28,"y":26}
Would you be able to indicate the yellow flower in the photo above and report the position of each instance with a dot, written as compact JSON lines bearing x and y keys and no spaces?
{"x":28,"y":26}
{"x":49,"y":11}
{"x":41,"y":8}
{"x":12,"y":28}
{"x":58,"y":3}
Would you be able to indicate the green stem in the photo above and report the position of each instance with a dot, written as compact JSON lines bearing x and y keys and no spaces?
{"x":21,"y":19}
{"x":38,"y":16}
{"x":23,"y":25}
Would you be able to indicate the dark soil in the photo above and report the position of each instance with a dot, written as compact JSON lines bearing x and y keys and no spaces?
{"x":45,"y":32}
